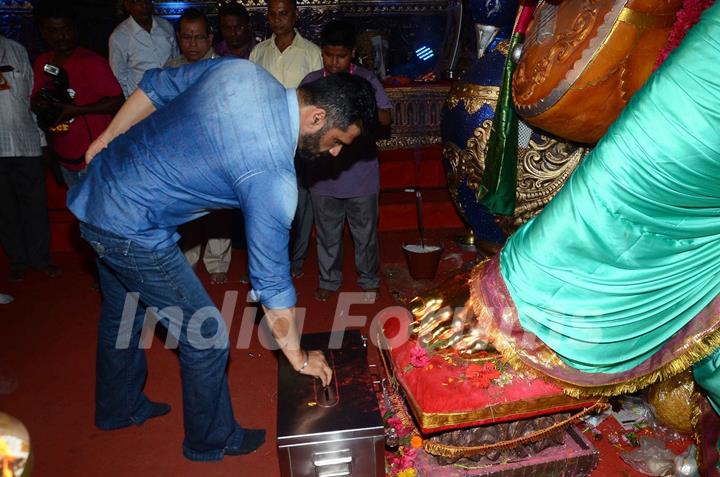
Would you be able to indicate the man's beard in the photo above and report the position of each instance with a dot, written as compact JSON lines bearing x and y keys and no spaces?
{"x":309,"y":147}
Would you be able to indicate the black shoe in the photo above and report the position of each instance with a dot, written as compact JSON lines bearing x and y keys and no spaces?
{"x":252,"y":439}
{"x":158,"y":409}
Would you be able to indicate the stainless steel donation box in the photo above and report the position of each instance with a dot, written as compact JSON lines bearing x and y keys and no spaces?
{"x":333,"y":431}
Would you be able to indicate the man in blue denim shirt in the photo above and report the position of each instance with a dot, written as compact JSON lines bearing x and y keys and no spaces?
{"x":211,"y":135}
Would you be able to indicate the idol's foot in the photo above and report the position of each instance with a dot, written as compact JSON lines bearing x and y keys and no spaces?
{"x":444,"y":319}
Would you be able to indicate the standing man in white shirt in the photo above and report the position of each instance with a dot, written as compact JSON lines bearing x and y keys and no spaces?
{"x":140,"y":43}
{"x":289,"y":57}
{"x":24,"y":228}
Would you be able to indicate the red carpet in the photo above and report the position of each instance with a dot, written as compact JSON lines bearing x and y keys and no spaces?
{"x":48,"y":342}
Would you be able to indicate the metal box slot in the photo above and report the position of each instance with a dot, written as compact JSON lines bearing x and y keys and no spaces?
{"x":335,"y":431}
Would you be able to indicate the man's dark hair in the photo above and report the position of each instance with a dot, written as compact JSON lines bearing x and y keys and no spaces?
{"x":191,"y":14}
{"x":234,"y":9}
{"x":54,"y":9}
{"x":347,"y":99}
{"x":292,"y":3}
{"x":338,"y":33}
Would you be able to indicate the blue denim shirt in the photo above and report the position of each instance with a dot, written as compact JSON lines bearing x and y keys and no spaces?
{"x":223,"y":136}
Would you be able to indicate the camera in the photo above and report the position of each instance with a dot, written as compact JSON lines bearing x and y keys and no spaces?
{"x":55,"y":93}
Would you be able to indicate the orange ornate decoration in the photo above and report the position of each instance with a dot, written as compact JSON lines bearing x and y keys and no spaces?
{"x":584,"y":59}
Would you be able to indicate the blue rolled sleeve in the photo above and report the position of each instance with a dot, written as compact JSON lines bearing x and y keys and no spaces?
{"x":269,"y":200}
{"x":164,"y":85}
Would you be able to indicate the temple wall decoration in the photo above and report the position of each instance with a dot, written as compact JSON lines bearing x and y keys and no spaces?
{"x":416,"y":116}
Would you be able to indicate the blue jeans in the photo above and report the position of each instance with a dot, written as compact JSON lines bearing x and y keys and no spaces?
{"x":164,"y":280}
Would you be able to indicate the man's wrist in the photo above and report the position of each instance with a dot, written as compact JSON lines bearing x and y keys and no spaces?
{"x":305,"y":357}
{"x":72,"y":110}
{"x":305,"y":362}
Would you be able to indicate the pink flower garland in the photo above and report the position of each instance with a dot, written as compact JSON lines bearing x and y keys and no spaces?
{"x":397,"y":423}
{"x":687,"y":16}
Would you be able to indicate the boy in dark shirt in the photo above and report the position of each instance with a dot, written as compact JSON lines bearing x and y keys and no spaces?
{"x":348,"y":187}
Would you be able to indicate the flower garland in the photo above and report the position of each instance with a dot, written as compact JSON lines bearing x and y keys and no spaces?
{"x":686,"y":17}
{"x":401,"y":462}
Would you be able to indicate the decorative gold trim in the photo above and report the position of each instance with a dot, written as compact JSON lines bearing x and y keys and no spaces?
{"x":514,"y":354}
{"x":695,"y":352}
{"x":473,"y":96}
{"x":543,"y":169}
{"x":407,"y":142}
{"x":467,"y":165}
{"x":644,"y":20}
{"x":503,"y":47}
{"x":457,"y":452}
{"x":421,"y":91}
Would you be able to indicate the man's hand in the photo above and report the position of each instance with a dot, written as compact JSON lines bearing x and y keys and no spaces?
{"x":137,"y":107}
{"x":95,"y":147}
{"x":317,"y":366}
{"x":284,"y":330}
{"x":38,"y":104}
{"x":68,"y":111}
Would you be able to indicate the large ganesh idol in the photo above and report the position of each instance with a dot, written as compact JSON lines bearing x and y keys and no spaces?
{"x":616,"y":284}
{"x":580,"y":63}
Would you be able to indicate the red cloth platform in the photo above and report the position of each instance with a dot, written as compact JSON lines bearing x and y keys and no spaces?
{"x":445,"y":392}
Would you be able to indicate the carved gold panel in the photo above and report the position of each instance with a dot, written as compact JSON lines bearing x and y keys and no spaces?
{"x":416,"y":114}
{"x":543,"y":168}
